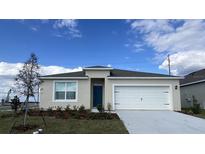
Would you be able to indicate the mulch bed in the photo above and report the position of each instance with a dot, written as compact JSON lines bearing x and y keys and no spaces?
{"x":22,"y":128}
{"x":87,"y":115}
{"x":71,"y":114}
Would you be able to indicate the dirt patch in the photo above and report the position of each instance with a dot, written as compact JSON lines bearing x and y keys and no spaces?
{"x":22,"y":128}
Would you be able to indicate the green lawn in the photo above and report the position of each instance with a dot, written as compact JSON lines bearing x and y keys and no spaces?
{"x":201,"y":115}
{"x":68,"y":126}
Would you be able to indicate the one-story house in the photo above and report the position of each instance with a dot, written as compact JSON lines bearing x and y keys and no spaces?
{"x":193,"y":85}
{"x":122,"y":89}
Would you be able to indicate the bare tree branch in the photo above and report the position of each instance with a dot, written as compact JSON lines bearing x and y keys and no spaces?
{"x":27,"y":80}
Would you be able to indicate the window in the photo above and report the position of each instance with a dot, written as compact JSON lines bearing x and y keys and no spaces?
{"x":65,"y":91}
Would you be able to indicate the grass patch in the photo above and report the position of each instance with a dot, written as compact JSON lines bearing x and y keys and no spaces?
{"x":189,"y":112}
{"x":201,"y":114}
{"x":66,"y":126}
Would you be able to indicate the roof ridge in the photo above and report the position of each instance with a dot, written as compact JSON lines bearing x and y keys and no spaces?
{"x":98,"y":66}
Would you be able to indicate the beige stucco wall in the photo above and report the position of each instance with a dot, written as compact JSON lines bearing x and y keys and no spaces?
{"x":98,"y":74}
{"x":46,"y":94}
{"x":84,"y":90}
{"x":197,"y":90}
{"x":175,"y":98}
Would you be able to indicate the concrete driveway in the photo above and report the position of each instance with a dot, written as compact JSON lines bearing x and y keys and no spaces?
{"x":161,"y":122}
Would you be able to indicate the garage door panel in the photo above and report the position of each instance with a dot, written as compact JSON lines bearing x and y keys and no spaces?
{"x":142,"y":97}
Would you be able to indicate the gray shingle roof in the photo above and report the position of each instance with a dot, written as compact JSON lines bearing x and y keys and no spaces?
{"x":193,"y":77}
{"x":113,"y":73}
{"x":126,"y":73}
{"x":71,"y":74}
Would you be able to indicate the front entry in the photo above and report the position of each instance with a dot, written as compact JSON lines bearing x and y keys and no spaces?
{"x":97,"y":95}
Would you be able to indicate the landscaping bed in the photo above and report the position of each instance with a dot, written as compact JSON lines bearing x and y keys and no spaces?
{"x":21,"y":128}
{"x":58,"y":121}
{"x":189,"y":111}
{"x":85,"y":115}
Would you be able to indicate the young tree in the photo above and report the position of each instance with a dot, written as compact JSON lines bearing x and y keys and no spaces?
{"x":27,"y":81}
{"x":15,"y":104}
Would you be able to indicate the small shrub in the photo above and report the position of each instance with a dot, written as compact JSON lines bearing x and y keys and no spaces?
{"x":15,"y":103}
{"x":59,"y":109}
{"x":42,"y":109}
{"x":100,"y":108}
{"x":186,"y":110}
{"x":73,"y":113}
{"x":75,"y":108}
{"x":91,"y":116}
{"x":76,"y":116}
{"x":81,"y":108}
{"x":67,"y":109}
{"x":196,"y":106}
{"x":102,"y":116}
{"x":50,"y":111}
{"x":58,"y":112}
{"x":109,"y":107}
{"x":190,"y":112}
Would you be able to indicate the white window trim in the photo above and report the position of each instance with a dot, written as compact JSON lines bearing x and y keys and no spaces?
{"x":65,"y":100}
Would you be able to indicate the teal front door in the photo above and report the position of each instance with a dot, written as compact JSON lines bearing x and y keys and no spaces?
{"x":97,"y":95}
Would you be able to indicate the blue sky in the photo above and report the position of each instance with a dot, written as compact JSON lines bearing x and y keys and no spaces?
{"x":68,"y":45}
{"x":101,"y":42}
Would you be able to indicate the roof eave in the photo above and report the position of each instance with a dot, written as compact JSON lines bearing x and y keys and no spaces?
{"x":53,"y":78}
{"x":171,"y":78}
{"x":191,"y":83}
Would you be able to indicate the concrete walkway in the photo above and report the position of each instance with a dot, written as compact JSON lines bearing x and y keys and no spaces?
{"x":161,"y":122}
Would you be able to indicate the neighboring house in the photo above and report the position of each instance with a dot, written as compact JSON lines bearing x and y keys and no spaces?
{"x":123,"y":89}
{"x":193,"y":85}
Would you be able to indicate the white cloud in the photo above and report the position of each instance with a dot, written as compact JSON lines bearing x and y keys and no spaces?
{"x":46,"y":70}
{"x":189,"y":36}
{"x":9,"y":70}
{"x":34,"y":28}
{"x":185,"y":62}
{"x":138,"y":47}
{"x":71,"y":25}
{"x":68,"y":23}
{"x":60,"y":28}
{"x":147,"y":26}
{"x":182,"y":39}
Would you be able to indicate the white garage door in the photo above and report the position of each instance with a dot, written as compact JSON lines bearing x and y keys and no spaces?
{"x":142,"y":97}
